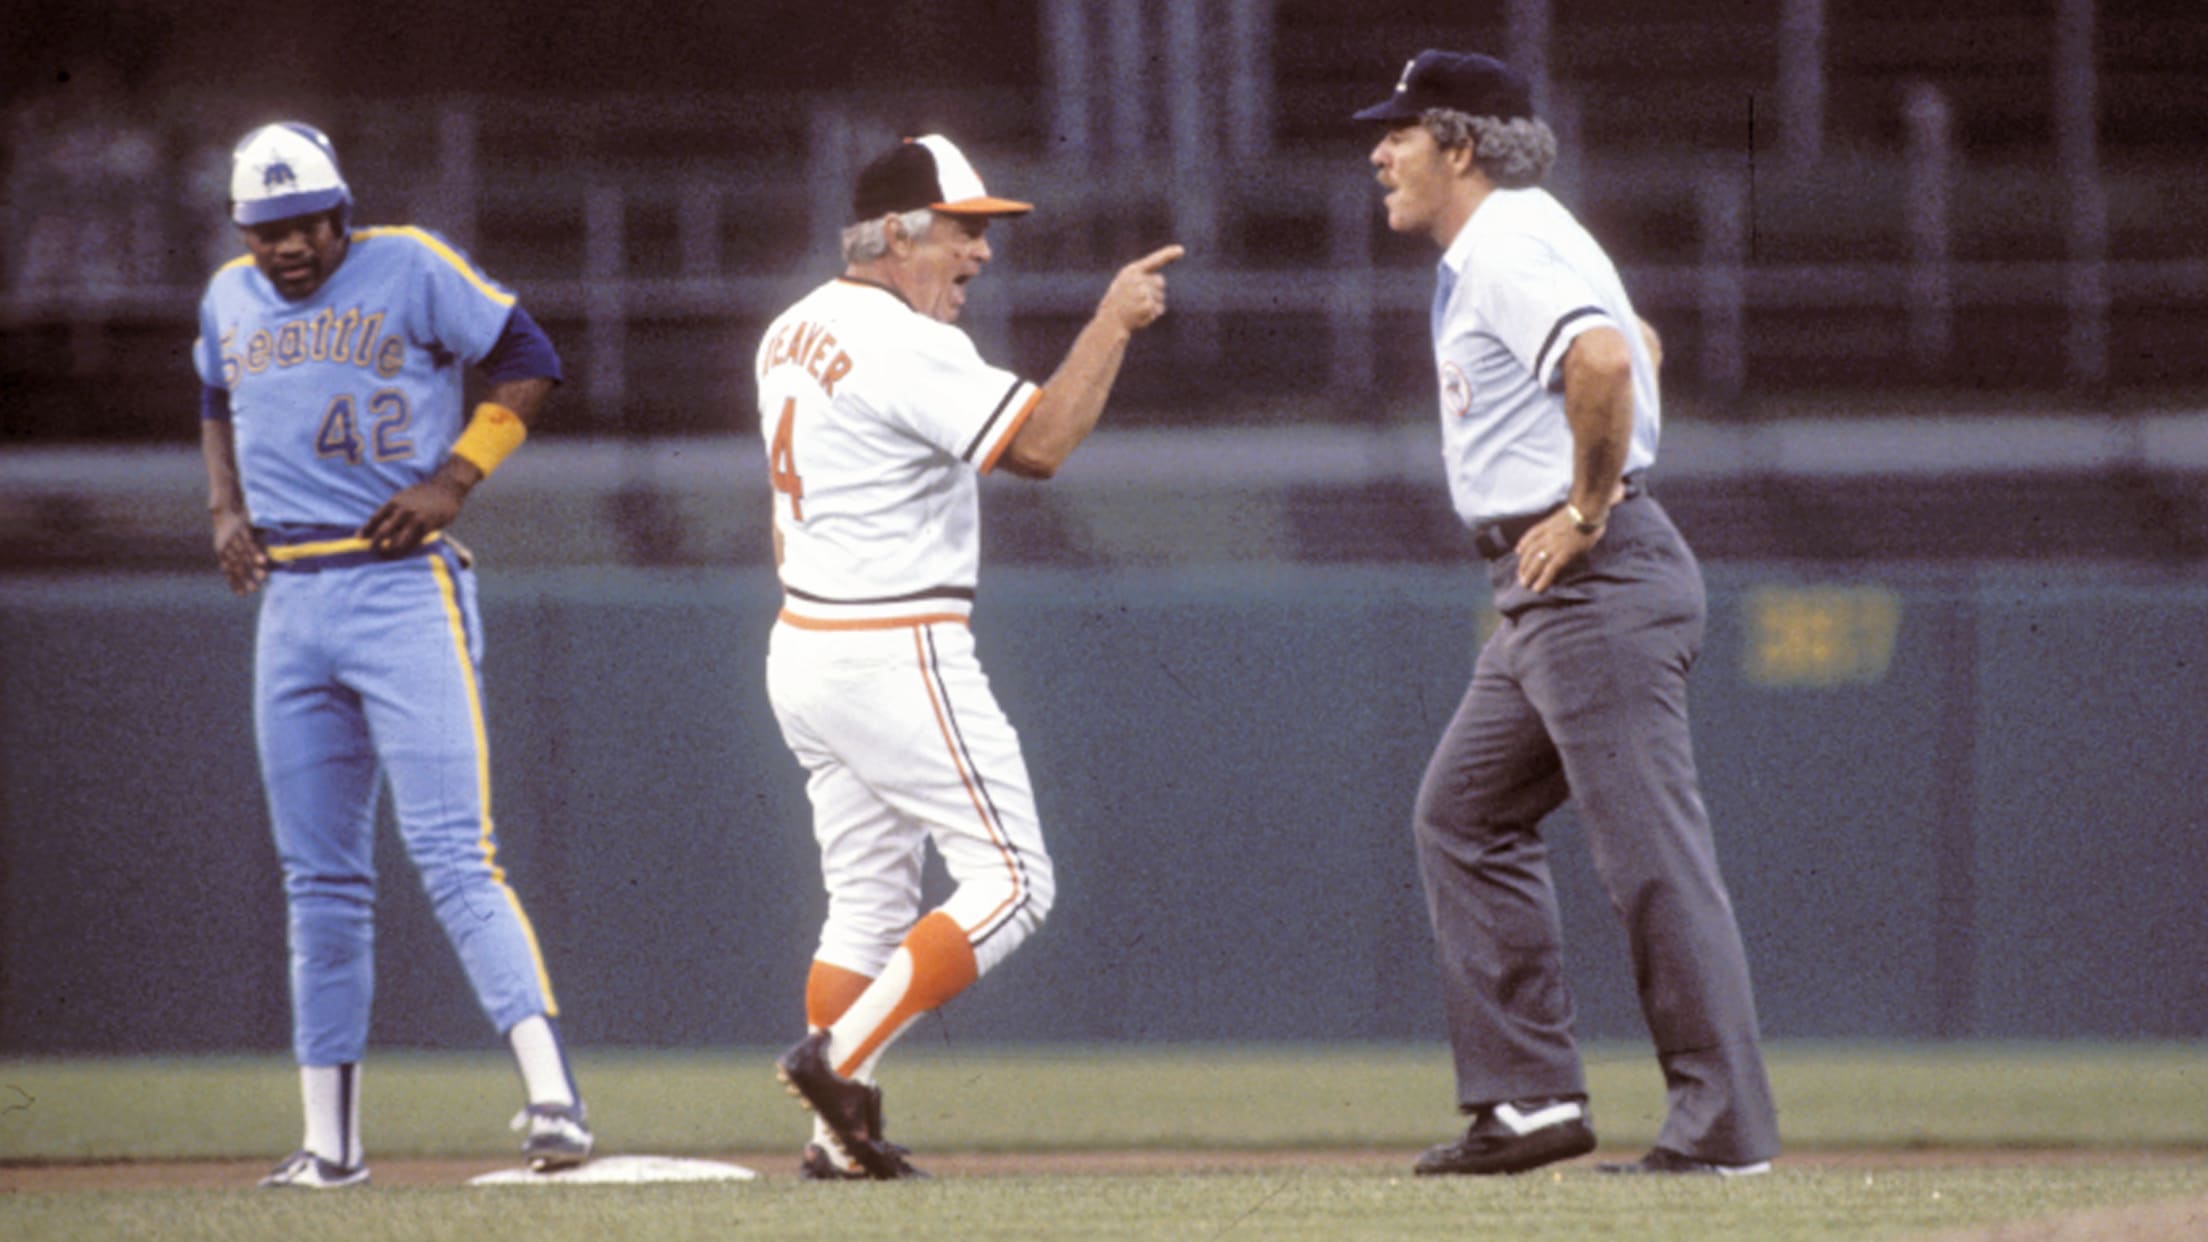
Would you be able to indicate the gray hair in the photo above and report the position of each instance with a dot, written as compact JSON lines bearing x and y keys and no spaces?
{"x":1513,"y":154}
{"x":869,"y":239}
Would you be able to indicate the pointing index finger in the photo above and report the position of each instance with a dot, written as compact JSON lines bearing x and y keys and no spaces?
{"x":1160,"y":257}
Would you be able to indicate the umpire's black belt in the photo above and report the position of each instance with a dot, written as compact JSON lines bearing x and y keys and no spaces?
{"x":1498,"y":539}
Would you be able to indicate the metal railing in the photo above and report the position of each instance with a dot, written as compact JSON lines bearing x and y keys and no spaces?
{"x":1166,"y":129}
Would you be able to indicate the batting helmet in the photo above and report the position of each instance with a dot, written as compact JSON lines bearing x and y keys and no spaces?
{"x":286,"y":169}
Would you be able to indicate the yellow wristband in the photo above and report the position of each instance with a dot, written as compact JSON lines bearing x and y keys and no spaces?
{"x":492,"y":433}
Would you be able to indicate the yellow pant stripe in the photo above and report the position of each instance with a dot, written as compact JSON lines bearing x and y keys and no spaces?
{"x":447,"y":591}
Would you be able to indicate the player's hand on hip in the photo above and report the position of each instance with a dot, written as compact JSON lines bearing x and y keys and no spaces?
{"x":1137,"y":295}
{"x":244,"y":561}
{"x":411,"y":516}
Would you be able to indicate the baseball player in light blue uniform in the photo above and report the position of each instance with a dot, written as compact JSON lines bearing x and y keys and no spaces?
{"x":331,"y":362}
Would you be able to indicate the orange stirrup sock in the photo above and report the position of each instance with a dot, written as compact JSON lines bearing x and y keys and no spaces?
{"x":934,"y":964}
{"x":942,"y":962}
{"x":829,"y":992}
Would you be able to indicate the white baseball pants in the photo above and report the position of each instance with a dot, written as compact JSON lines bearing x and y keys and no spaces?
{"x":904,"y":743}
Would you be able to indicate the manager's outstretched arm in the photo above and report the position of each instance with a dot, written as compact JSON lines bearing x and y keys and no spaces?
{"x":1074,"y":397}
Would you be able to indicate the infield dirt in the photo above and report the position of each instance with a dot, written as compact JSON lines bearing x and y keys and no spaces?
{"x":225,"y":1174}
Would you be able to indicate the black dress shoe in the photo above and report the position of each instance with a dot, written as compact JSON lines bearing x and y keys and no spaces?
{"x":1665,"y":1160}
{"x":1515,"y":1137}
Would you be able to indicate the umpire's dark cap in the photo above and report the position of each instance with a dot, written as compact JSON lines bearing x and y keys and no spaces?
{"x":1466,"y":82}
{"x":926,"y":172}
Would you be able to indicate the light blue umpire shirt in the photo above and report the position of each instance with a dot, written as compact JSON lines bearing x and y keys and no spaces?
{"x":1519,"y":283}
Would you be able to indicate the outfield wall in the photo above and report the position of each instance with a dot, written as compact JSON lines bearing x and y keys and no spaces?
{"x":1950,"y":803}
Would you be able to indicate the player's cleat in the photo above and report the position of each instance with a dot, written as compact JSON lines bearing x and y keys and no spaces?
{"x":890,"y":1157}
{"x":1515,"y":1137}
{"x":303,"y":1170}
{"x":819,"y":1166}
{"x":558,"y":1136}
{"x":1663,"y":1160}
{"x":887,"y":1155}
{"x":852,"y":1110}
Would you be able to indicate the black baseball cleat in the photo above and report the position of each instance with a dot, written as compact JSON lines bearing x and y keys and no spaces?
{"x":888,"y":1155}
{"x":1514,"y":1137}
{"x":1665,"y":1161}
{"x":852,"y":1110}
{"x":892,"y":1157}
{"x":818,"y":1166}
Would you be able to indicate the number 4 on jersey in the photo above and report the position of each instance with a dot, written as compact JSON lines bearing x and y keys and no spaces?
{"x":782,"y":461}
{"x":338,"y":436}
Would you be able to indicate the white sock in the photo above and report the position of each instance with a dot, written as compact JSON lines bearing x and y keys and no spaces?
{"x":827,"y":1143}
{"x":330,"y":1095}
{"x":543,"y":1064}
{"x":866,"y":1070}
{"x":868,"y":1013}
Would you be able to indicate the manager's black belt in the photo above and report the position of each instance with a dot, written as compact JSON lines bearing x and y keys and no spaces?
{"x":1498,"y":539}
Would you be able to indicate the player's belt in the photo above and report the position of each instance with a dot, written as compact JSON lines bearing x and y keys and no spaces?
{"x":808,"y":611}
{"x":314,"y":551}
{"x":1499,"y":538}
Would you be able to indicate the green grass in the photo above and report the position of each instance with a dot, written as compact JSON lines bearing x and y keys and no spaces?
{"x":1788,"y":1206}
{"x":2138,"y":1112}
{"x":1061,"y":1098}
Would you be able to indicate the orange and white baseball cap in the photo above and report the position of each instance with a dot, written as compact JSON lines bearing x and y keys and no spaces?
{"x":927,"y":171}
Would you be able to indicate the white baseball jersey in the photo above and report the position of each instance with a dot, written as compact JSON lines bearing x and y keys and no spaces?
{"x":879,"y":421}
{"x":1519,"y":283}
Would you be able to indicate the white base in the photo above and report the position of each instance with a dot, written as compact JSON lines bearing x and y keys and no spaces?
{"x":621,"y":1171}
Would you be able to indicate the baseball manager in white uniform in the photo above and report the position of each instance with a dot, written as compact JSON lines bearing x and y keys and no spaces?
{"x":1549,"y":417}
{"x":880,"y":416}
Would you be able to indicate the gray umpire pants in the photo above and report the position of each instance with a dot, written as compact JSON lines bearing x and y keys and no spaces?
{"x":1582,"y":692}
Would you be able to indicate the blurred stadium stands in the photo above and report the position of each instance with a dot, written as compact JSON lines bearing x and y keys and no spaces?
{"x":1861,"y":209}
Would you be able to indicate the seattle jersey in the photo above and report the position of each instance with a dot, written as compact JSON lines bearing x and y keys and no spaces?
{"x":1521,"y":281}
{"x":345,"y":398}
{"x":879,"y":422}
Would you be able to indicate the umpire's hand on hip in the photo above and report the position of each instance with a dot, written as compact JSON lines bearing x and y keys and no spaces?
{"x":1554,"y":542}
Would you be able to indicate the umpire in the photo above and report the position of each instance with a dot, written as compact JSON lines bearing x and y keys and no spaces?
{"x":1549,"y":416}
